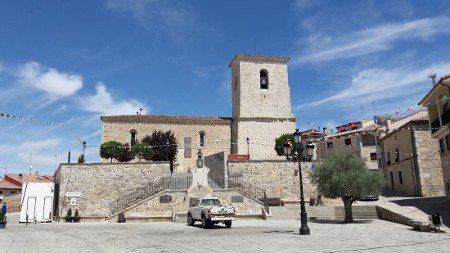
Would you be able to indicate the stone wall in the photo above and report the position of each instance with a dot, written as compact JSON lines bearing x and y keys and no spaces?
{"x":156,"y":207}
{"x":218,"y":138}
{"x":99,"y":184}
{"x":250,"y":101}
{"x":279,"y":178}
{"x":262,"y":135}
{"x":429,"y":162}
{"x":422,"y":175}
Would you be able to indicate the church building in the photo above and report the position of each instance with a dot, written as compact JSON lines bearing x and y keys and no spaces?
{"x":261,"y":112}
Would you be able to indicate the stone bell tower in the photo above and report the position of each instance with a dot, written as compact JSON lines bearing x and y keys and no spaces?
{"x":261,"y":104}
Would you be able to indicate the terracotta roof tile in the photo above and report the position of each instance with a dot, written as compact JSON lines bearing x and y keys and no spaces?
{"x":8,"y":185}
{"x":166,"y":119}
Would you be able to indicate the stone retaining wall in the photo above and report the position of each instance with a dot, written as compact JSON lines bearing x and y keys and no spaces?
{"x":96,"y":185}
{"x":279,"y":178}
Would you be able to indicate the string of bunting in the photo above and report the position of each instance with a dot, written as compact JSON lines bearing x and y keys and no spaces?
{"x":433,"y":102}
{"x":12,"y":116}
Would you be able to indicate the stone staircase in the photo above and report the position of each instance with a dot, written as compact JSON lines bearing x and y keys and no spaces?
{"x":323,"y":212}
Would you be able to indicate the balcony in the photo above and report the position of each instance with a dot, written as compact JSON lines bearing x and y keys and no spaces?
{"x":435,"y":125}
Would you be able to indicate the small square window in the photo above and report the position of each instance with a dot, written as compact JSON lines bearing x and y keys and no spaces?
{"x":348,"y":141}
{"x":373,"y":156}
{"x":329,"y":145}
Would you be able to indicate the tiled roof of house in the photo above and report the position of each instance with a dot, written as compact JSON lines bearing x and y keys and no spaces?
{"x":258,"y":58}
{"x":420,"y":116}
{"x":23,"y":178}
{"x":166,"y":119}
{"x":9,"y":186}
{"x":370,"y":128}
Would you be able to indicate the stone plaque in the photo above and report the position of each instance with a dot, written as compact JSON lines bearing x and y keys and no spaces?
{"x":73,"y":194}
{"x":237,"y":199}
{"x":165,"y":199}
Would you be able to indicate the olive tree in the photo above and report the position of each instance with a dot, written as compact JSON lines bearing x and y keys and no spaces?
{"x":346,"y":176}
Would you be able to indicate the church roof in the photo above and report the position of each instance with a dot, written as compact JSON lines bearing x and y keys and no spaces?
{"x":166,"y":119}
{"x":258,"y":58}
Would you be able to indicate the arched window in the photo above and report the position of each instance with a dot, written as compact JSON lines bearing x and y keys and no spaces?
{"x":397,"y":155}
{"x":133,"y":139}
{"x":202,"y":139}
{"x":264,"y":79}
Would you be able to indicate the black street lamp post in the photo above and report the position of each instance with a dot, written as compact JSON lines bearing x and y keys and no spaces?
{"x":297,"y":156}
{"x":248,"y":148}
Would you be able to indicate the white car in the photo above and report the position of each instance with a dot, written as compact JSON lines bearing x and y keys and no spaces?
{"x":209,"y":211}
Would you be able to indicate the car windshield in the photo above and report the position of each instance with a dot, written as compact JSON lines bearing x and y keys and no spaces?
{"x":211,"y":202}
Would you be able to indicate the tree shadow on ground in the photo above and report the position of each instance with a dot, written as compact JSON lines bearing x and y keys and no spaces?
{"x":328,"y":221}
{"x":430,"y":205}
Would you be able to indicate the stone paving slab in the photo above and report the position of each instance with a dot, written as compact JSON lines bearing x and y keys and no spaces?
{"x":244,"y":236}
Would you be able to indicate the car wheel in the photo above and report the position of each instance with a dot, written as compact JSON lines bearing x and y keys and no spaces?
{"x":190,"y":221}
{"x":205,"y":222}
{"x":228,"y":224}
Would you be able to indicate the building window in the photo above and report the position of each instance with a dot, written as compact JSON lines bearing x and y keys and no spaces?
{"x":348,"y":141}
{"x":329,"y":145}
{"x":1,"y":192}
{"x":400,"y":177}
{"x":202,"y":139}
{"x":263,"y":79}
{"x":373,"y":156}
{"x":368,"y":140}
{"x":388,"y":162}
{"x":442,"y":145}
{"x":187,"y":147}
{"x":235,"y":83}
{"x":448,"y":186}
{"x":397,"y":155}
{"x":133,"y":134}
{"x":13,"y":192}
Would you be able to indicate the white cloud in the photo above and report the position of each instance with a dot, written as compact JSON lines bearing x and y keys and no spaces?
{"x":103,"y":103}
{"x":371,"y":40}
{"x":56,"y":84}
{"x":382,"y":84}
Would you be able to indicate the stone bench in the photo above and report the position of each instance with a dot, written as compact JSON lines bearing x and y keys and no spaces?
{"x":424,"y":226}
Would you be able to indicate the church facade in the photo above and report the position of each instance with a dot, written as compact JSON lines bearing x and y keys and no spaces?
{"x":261,"y":112}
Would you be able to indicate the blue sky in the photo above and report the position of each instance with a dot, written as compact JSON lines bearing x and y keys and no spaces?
{"x":72,"y":61}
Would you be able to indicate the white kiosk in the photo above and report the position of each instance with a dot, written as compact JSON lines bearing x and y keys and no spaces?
{"x":37,"y":202}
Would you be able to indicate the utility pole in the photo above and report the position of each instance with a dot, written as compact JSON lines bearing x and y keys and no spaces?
{"x":30,"y":166}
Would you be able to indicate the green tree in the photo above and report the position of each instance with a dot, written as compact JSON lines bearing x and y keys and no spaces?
{"x":125,"y":154}
{"x":81,"y":159}
{"x":280,"y":141}
{"x":110,"y":150}
{"x":158,"y":141}
{"x":142,"y":151}
{"x":346,"y":176}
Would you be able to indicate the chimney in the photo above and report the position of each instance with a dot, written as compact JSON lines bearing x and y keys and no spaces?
{"x":388,"y":125}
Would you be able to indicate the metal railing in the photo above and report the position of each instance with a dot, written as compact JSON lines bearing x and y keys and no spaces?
{"x":248,"y":189}
{"x":140,"y":194}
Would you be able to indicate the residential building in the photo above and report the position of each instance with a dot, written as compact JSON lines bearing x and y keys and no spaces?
{"x":438,"y":106}
{"x":11,"y":184}
{"x":411,"y":163}
{"x":355,"y":137}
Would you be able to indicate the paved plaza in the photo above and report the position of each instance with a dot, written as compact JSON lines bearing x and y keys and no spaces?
{"x":244,"y":236}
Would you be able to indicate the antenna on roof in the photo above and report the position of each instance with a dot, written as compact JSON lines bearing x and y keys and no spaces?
{"x":433,"y":78}
{"x":254,"y":46}
{"x":30,"y":166}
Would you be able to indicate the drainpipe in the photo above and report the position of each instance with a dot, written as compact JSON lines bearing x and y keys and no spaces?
{"x":415,"y":166}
